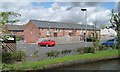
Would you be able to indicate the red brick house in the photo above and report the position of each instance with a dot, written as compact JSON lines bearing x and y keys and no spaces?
{"x":37,"y":29}
{"x":15,"y":29}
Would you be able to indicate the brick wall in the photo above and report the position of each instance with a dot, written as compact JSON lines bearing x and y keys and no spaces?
{"x":31,"y":33}
{"x":60,"y":32}
{"x":18,"y":33}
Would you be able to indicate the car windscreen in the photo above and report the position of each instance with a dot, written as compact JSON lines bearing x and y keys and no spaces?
{"x":43,"y":40}
{"x":110,"y":40}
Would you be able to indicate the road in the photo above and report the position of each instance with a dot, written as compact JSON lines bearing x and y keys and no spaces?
{"x":31,"y":48}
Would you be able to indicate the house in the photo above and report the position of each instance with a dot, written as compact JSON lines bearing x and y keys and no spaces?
{"x":14,"y":29}
{"x":109,"y":32}
{"x":35,"y":29}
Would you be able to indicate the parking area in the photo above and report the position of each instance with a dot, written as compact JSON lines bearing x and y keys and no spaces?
{"x":30,"y":49}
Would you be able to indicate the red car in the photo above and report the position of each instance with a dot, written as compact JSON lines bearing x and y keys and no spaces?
{"x":47,"y":42}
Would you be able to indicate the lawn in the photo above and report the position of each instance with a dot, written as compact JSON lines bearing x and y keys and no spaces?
{"x":43,"y":63}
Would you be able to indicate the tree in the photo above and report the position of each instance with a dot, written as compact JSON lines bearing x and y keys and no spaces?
{"x":95,"y":39}
{"x":4,"y":18}
{"x":115,"y":21}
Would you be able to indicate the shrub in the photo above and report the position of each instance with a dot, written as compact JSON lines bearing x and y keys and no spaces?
{"x":80,"y":50}
{"x":10,"y":57}
{"x":18,"y":38}
{"x":64,"y":52}
{"x":35,"y":54}
{"x":105,"y":47}
{"x":114,"y":47}
{"x":53,"y":54}
{"x":18,"y":55}
{"x":102,"y":47}
{"x":89,"y":50}
{"x":85,"y":49}
{"x":6,"y":57}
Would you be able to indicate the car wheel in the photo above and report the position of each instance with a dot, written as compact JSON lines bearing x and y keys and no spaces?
{"x":53,"y":45}
{"x":47,"y":45}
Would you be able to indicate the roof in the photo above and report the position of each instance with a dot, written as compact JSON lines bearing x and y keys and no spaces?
{"x":79,"y":26}
{"x":46,"y":24}
{"x":15,"y":27}
{"x":63,"y":25}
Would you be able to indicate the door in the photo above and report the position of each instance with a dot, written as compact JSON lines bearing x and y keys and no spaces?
{"x":55,"y":34}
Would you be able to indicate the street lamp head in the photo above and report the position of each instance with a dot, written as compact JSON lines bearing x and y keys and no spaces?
{"x":83,"y":9}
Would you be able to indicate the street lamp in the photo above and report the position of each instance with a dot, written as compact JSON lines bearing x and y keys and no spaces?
{"x":48,"y":30}
{"x":85,"y":22}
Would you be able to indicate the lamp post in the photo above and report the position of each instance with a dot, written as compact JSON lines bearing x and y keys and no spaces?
{"x":85,"y":22}
{"x":48,"y":31}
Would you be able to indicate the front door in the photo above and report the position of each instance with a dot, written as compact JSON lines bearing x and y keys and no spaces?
{"x":55,"y":34}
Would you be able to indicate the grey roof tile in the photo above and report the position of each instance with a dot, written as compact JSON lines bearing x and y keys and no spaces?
{"x":47,"y":24}
{"x":15,"y":27}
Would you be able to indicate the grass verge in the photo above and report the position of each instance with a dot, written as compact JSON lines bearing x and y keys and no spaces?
{"x":43,"y":63}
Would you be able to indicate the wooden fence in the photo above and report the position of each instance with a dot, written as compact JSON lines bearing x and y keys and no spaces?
{"x":8,"y":47}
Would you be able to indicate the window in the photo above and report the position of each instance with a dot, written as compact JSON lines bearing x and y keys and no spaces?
{"x":42,"y":29}
{"x":55,"y":34}
{"x":70,"y":34}
{"x":55,"y":29}
{"x":58,"y":29}
{"x":110,"y":40}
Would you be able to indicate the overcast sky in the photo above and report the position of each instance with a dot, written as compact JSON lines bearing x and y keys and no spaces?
{"x":61,"y":11}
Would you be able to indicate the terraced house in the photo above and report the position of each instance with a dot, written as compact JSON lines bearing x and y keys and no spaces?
{"x":15,"y":29}
{"x":35,"y":29}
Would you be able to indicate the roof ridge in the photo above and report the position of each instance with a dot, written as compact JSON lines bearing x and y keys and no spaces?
{"x":14,"y":25}
{"x":47,"y":21}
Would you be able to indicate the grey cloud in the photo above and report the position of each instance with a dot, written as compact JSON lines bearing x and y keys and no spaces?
{"x":72,"y":5}
{"x":83,"y":4}
{"x":92,"y":3}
